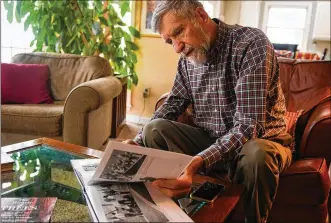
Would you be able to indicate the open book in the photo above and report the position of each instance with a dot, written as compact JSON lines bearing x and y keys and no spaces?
{"x":117,"y":187}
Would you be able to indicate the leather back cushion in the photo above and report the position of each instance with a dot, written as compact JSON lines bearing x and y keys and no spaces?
{"x":304,"y":83}
{"x":67,"y":70}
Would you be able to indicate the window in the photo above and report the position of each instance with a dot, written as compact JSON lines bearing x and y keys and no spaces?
{"x":287,"y":22}
{"x":212,"y":8}
{"x":14,"y":39}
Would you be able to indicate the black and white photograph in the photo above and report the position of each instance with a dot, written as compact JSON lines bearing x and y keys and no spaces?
{"x":122,"y":166}
{"x":119,"y":205}
{"x":146,"y":203}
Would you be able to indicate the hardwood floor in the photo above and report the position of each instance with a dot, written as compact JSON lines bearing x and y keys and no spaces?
{"x":127,"y":131}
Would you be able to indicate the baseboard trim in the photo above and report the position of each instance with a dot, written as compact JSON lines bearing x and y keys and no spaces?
{"x":135,"y":119}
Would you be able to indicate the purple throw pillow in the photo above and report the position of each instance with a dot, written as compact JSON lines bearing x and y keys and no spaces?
{"x":25,"y":84}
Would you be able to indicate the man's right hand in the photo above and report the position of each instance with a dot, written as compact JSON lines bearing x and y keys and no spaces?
{"x":131,"y":142}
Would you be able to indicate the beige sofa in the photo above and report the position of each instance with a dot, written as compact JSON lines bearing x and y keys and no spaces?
{"x":82,"y":89}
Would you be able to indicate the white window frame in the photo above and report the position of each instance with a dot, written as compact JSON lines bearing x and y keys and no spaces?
{"x":290,"y":4}
{"x":12,"y":46}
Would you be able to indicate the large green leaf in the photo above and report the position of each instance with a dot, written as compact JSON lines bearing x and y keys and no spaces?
{"x":26,"y":7}
{"x":10,"y":11}
{"x":27,"y":22}
{"x":52,"y":40}
{"x":43,"y":20}
{"x":134,"y":32}
{"x":32,"y":42}
{"x":6,"y":4}
{"x":18,"y":11}
{"x":125,"y":7}
{"x":133,"y":58}
{"x":17,"y":16}
{"x":134,"y":78}
{"x":132,"y":45}
{"x":103,"y":21}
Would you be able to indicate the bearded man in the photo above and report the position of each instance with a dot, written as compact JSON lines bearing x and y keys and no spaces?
{"x":230,"y":76}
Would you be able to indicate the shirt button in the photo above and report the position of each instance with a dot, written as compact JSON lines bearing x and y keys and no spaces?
{"x":217,"y":132}
{"x":213,"y":89}
{"x":215,"y":110}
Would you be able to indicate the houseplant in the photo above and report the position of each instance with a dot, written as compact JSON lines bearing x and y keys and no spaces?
{"x":81,"y":27}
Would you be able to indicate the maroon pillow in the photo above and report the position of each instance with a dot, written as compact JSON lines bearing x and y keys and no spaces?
{"x":24,"y":84}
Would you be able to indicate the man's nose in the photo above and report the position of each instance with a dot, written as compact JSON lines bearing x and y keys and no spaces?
{"x":178,"y":46}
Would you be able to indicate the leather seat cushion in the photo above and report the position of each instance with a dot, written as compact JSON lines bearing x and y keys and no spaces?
{"x":33,"y":119}
{"x":305,"y":182}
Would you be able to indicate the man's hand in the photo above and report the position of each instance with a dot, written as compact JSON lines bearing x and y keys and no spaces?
{"x":131,"y":142}
{"x":181,"y":185}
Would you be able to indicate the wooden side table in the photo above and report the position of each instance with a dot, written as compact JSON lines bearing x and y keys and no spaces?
{"x":224,"y":207}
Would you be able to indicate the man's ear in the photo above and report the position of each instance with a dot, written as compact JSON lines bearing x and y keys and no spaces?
{"x":201,"y":14}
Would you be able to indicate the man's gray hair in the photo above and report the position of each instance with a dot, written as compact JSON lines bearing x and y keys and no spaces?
{"x":181,"y":8}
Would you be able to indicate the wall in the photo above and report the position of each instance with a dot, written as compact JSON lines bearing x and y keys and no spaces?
{"x":319,"y":46}
{"x":250,"y":13}
{"x":232,"y":12}
{"x":156,"y":69}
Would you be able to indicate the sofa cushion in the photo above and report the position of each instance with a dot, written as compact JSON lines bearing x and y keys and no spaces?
{"x":305,"y":182}
{"x":67,"y":70}
{"x":42,"y":119}
{"x":24,"y":84}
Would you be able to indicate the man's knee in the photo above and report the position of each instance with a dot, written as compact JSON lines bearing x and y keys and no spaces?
{"x":257,"y":152}
{"x":153,"y":128}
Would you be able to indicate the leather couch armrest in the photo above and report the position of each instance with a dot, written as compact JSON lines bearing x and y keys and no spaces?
{"x":316,"y":140}
{"x":81,"y":101}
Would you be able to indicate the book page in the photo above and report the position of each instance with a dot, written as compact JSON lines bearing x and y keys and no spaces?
{"x":125,"y":202}
{"x":129,"y":163}
{"x":137,"y":202}
{"x":85,"y":169}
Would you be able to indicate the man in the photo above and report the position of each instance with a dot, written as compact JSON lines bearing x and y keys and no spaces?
{"x":230,"y":75}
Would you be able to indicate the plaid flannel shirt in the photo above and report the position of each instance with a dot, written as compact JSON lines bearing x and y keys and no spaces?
{"x":236,"y":95}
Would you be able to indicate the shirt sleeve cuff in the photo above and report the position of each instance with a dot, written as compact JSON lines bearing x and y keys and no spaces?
{"x":210,"y":157}
{"x":138,"y":139}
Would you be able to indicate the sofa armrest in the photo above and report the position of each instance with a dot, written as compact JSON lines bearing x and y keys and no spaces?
{"x":316,"y":140}
{"x":81,"y":101}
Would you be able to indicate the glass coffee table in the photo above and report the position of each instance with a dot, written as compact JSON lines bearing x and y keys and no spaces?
{"x":42,"y":169}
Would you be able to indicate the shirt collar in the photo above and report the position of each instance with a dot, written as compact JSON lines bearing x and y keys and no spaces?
{"x":221,"y":34}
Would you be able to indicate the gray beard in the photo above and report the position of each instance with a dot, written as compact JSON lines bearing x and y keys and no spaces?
{"x":199,"y":56}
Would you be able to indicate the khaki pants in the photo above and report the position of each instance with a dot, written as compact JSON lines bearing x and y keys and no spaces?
{"x":257,"y":166}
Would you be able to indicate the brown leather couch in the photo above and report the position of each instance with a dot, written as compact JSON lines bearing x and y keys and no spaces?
{"x":304,"y":187}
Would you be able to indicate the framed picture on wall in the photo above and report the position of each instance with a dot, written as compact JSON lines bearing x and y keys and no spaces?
{"x":144,"y":13}
{"x":145,"y":8}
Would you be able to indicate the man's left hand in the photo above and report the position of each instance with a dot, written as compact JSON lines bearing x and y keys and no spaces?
{"x":182,"y":185}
